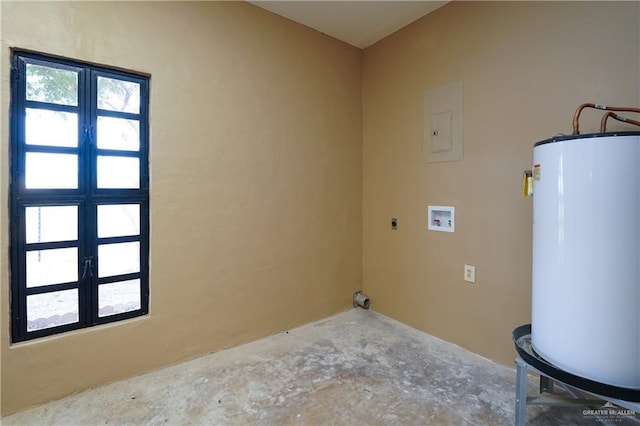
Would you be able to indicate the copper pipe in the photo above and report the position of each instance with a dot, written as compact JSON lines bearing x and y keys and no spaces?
{"x":603,"y":122}
{"x":576,"y":116}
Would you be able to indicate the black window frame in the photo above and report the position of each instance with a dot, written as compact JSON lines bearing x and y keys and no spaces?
{"x":87,"y":196}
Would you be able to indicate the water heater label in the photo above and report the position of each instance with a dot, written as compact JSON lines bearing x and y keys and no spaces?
{"x":536,"y":172}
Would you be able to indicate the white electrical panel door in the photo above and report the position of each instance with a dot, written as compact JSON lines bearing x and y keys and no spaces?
{"x":442,"y":124}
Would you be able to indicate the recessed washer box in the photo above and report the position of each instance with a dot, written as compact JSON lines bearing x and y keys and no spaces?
{"x":441,"y":218}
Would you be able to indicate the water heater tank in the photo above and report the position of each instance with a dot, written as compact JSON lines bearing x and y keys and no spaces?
{"x":586,"y":256}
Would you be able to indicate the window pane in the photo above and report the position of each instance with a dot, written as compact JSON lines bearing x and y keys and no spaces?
{"x":118,"y":259}
{"x":118,"y":95}
{"x":118,"y":220}
{"x":119,"y":297}
{"x":57,"y":223}
{"x":118,"y":172}
{"x":53,"y":266}
{"x":46,"y":84}
{"x":52,"y":309}
{"x":118,"y":133}
{"x":53,"y":128}
{"x":51,"y":170}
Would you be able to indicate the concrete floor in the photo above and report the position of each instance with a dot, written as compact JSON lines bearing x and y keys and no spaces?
{"x":356,"y":368}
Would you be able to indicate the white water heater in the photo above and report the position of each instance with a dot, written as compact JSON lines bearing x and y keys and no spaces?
{"x":586,"y":255}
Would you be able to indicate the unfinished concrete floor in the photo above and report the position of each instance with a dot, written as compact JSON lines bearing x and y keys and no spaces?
{"x":355,"y":368}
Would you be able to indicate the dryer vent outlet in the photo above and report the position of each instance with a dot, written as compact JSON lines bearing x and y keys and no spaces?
{"x":359,"y":299}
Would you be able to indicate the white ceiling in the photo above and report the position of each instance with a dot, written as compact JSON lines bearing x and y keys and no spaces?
{"x":357,"y":22}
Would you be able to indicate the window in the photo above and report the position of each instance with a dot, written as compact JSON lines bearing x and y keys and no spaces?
{"x":79,"y":195}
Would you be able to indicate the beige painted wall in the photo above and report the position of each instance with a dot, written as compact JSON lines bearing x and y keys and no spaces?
{"x":257,"y":159}
{"x":256,"y":174}
{"x":525,"y":67}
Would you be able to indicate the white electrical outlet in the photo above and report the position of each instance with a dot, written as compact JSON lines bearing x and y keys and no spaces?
{"x":470,"y":273}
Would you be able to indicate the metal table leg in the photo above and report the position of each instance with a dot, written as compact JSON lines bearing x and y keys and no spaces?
{"x":521,"y":392}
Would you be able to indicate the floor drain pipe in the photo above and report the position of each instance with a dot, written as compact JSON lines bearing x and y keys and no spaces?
{"x":361,"y":300}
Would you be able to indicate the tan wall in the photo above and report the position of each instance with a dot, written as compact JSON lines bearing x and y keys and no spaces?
{"x":256,"y":163}
{"x":525,"y":67}
{"x":256,"y":174}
